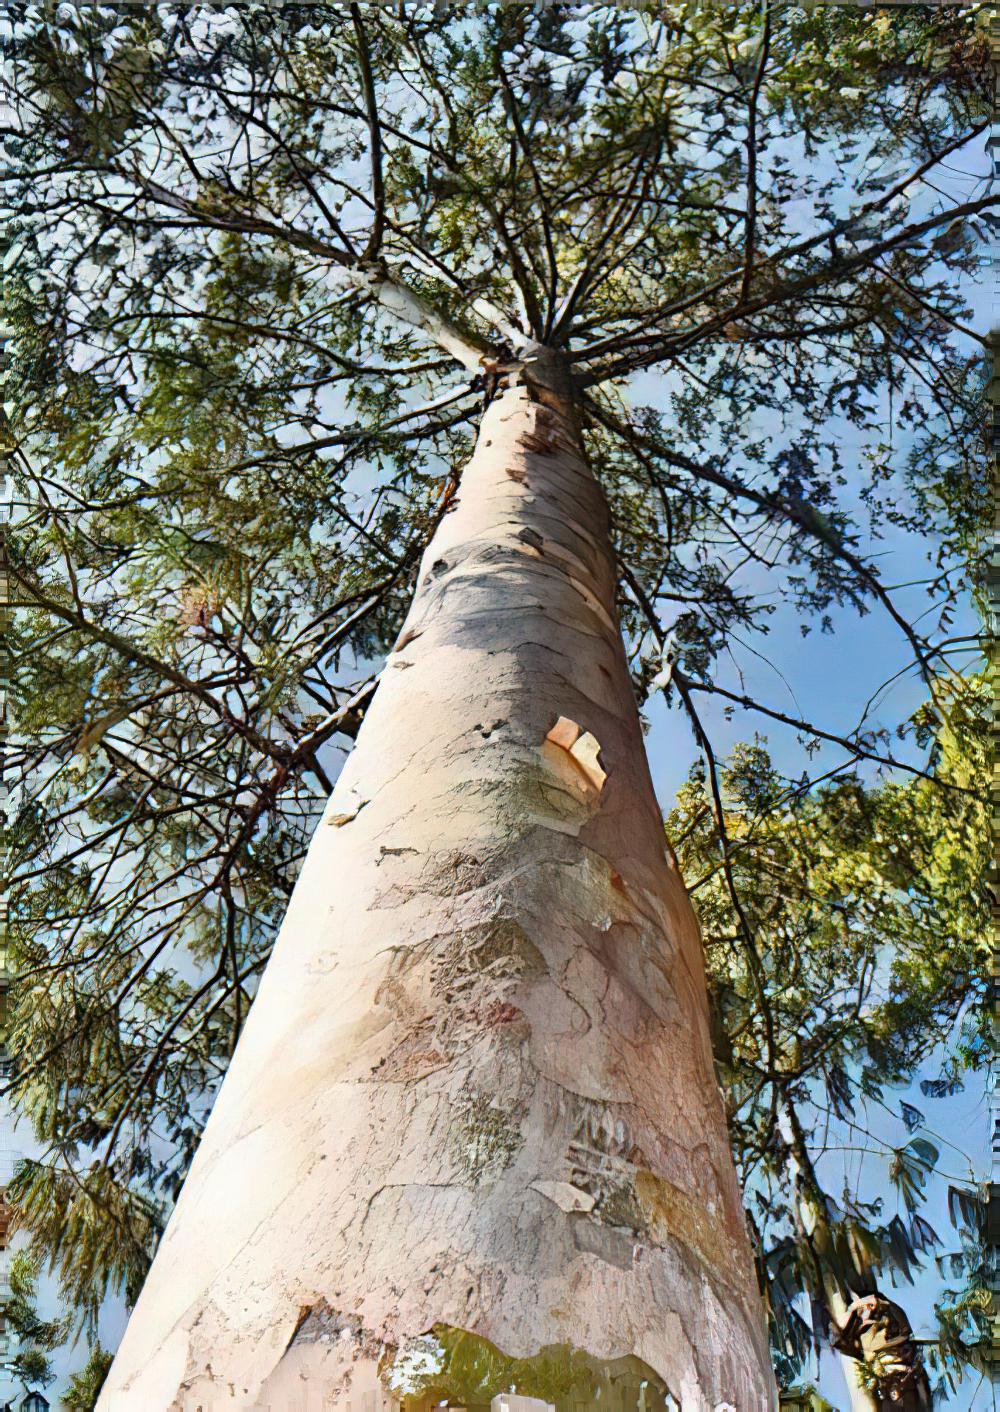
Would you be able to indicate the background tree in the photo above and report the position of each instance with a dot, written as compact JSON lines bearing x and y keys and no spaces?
{"x":251,"y":258}
{"x":36,"y":1338}
{"x":867,"y":908}
{"x":85,"y":1386}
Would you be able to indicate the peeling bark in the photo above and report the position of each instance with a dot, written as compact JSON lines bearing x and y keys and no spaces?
{"x":476,"y":1087}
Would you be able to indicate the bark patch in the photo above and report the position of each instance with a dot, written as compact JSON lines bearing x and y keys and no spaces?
{"x":413,"y":1058}
{"x":486,"y":1140}
{"x":566,"y":1196}
{"x":477,"y":964}
{"x":352,"y":808}
{"x":319,"y":1323}
{"x":604,"y":1159}
{"x":541,"y":444}
{"x":614,"y":1247}
{"x":583,"y":748}
{"x":670,"y":1214}
{"x":409,"y":635}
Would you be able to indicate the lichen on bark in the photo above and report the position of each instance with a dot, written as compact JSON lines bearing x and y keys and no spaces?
{"x":457,"y":1368}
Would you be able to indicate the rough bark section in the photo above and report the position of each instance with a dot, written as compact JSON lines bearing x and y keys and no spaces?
{"x":476,"y":1086}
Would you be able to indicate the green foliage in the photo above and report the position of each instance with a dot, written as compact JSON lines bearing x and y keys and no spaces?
{"x":846,"y":936}
{"x":95,"y":1231}
{"x":84,"y":1387}
{"x":36,"y":1338}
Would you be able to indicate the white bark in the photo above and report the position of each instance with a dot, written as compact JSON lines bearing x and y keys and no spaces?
{"x":407,"y":307}
{"x":476,"y":1087}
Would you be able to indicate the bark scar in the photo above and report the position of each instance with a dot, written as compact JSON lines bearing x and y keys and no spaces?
{"x":583,"y":748}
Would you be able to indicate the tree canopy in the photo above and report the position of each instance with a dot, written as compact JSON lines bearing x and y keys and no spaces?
{"x":263,"y":266}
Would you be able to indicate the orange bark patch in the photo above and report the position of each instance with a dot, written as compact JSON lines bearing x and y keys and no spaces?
{"x":500,"y":1013}
{"x":582,"y":747}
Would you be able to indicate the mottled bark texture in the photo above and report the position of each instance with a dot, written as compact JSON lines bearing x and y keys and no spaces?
{"x":476,"y":1087}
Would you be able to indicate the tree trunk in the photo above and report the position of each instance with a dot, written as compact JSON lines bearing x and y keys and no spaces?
{"x":475,"y":1091}
{"x":814,"y":1228}
{"x":863,"y":1399}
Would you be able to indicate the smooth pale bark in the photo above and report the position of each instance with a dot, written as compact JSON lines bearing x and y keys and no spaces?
{"x":476,"y":1087}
